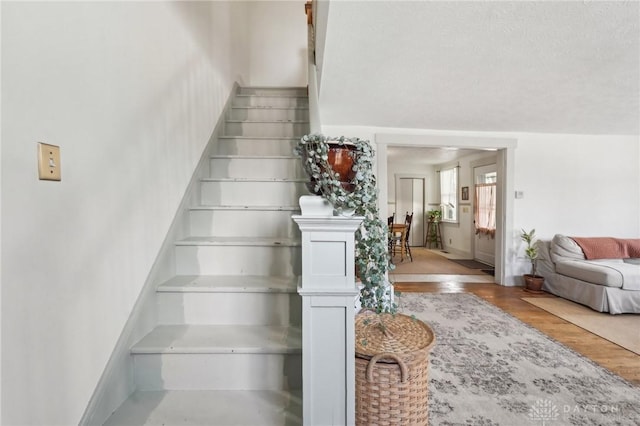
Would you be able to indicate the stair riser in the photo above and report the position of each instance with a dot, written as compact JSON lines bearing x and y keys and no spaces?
{"x":280,"y":168}
{"x":218,"y":371}
{"x":273,"y":101}
{"x":269,"y":91}
{"x":243,"y":223}
{"x":224,"y":193}
{"x":238,"y":260}
{"x":266,"y":113}
{"x":257,"y":147}
{"x":230,"y":308}
{"x":280,"y":129}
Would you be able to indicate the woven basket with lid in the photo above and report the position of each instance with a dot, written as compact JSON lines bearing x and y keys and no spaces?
{"x":392,"y":360}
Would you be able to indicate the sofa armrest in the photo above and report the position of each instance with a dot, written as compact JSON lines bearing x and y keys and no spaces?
{"x":565,"y":248}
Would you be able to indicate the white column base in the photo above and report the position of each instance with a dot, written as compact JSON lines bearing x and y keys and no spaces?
{"x":328,"y":290}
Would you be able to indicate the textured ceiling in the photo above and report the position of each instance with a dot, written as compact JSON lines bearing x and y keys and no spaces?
{"x":556,"y":67}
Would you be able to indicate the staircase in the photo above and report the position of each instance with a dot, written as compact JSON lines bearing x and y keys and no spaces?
{"x":227,"y":347}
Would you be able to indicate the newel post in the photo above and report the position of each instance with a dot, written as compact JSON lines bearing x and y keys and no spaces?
{"x":328,"y":292}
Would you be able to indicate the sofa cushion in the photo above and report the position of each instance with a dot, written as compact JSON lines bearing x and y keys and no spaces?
{"x":609,"y":272}
{"x":565,"y":248}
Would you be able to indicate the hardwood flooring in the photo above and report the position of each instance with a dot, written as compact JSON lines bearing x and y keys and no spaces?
{"x":609,"y":355}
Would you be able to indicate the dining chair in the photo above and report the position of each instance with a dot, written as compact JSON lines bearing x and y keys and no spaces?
{"x":390,"y":221}
{"x":407,"y":221}
{"x":399,"y":238}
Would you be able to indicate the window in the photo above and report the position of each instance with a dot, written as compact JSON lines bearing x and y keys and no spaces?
{"x":449,"y":194}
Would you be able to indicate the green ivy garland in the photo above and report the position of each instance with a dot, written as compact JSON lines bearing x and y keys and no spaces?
{"x":372,"y":256}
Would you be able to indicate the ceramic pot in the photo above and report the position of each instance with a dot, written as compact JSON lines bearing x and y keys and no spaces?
{"x":533,"y":283}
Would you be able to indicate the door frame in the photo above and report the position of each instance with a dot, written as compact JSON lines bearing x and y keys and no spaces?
{"x":505,"y":162}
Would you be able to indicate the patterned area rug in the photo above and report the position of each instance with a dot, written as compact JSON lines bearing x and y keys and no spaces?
{"x":489,"y":368}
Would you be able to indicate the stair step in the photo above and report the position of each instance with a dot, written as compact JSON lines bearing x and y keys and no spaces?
{"x":215,"y":300}
{"x":258,"y":113}
{"x":244,"y":221}
{"x":266,"y":128}
{"x":272,"y":91}
{"x":210,"y":408}
{"x":217,"y":357}
{"x":229,"y":283}
{"x":281,"y":257}
{"x":257,"y":146}
{"x":238,"y":241}
{"x":220,"y":339}
{"x":236,"y":191}
{"x":244,"y":166}
{"x":272,"y":101}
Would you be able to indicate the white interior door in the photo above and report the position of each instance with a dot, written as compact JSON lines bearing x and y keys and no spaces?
{"x":410,"y":197}
{"x":484,"y":246}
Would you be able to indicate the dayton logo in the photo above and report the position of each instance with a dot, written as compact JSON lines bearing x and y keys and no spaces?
{"x":543,"y":411}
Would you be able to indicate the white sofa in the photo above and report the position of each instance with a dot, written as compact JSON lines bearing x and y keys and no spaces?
{"x":605,"y":285}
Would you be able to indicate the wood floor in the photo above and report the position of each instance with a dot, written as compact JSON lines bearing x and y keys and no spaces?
{"x":609,"y":355}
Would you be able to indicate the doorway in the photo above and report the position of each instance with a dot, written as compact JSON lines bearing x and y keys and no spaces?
{"x":439,"y":145}
{"x":483,"y":243}
{"x":410,"y":198}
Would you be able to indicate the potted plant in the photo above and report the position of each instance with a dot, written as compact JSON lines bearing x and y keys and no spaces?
{"x":434,"y":215}
{"x":353,"y":191}
{"x":433,"y":236}
{"x":533,"y":282}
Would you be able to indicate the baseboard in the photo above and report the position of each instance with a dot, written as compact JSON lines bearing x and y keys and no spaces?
{"x":116,"y":383}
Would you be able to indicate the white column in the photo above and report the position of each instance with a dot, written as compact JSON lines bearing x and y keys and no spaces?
{"x":328,"y":293}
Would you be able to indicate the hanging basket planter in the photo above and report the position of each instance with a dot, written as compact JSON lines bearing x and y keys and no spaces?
{"x":341,"y":157}
{"x":340,"y":170}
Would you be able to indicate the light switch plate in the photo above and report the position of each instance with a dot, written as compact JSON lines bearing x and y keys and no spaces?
{"x":49,"y":162}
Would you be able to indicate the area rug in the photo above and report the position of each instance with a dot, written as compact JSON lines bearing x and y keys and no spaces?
{"x":427,"y":262}
{"x":489,"y":368}
{"x":623,"y":330}
{"x":471,"y":264}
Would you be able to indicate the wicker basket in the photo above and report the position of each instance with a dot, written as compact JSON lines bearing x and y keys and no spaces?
{"x":391,"y":369}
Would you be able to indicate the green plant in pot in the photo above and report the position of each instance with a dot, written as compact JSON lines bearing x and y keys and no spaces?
{"x":433,"y":218}
{"x":434,"y":215}
{"x":533,"y":282}
{"x":353,"y":188}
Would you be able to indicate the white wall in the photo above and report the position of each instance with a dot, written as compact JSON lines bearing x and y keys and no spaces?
{"x":278,"y":43}
{"x":578,"y":185}
{"x":131,"y":93}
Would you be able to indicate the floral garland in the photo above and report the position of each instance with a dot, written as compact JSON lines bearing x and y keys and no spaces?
{"x":372,"y":256}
